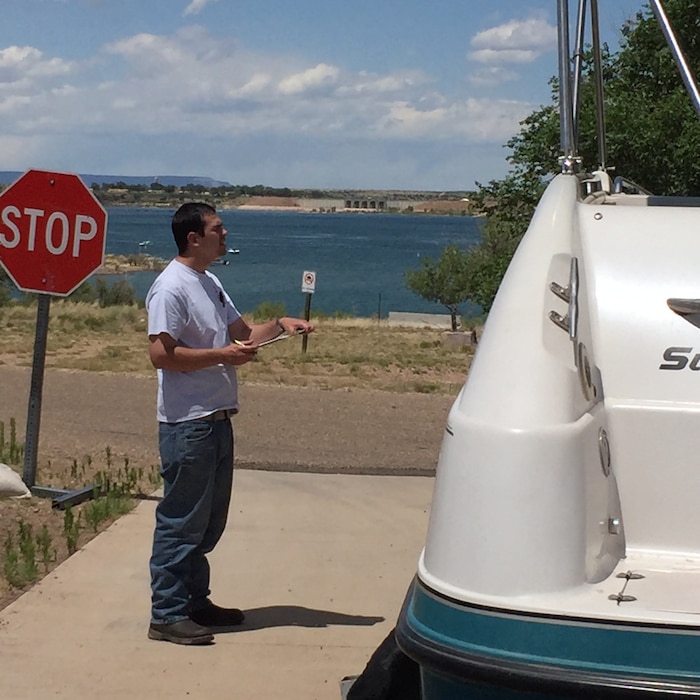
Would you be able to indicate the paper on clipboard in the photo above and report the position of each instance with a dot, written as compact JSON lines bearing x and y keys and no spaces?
{"x":280,"y":337}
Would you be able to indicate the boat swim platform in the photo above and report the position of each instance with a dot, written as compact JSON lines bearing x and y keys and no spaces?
{"x":644,"y":589}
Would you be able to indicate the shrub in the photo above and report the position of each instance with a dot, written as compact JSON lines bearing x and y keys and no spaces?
{"x":86,"y":293}
{"x":121,"y":293}
{"x":268,"y":310}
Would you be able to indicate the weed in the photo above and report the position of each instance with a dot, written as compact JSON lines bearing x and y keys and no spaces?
{"x":48,"y":553}
{"x":426,"y":388}
{"x":19,"y":558}
{"x":12,"y":451}
{"x":154,"y":476}
{"x":71,"y":529}
{"x":27,"y":548}
{"x":10,"y":563}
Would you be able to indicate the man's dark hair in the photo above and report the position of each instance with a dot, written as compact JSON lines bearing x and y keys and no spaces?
{"x":189,"y":217}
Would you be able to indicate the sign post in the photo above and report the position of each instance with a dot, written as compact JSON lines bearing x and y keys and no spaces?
{"x":308,"y":286}
{"x":52,"y":238}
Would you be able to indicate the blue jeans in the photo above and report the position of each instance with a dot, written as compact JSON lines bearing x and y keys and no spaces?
{"x":197,"y":471}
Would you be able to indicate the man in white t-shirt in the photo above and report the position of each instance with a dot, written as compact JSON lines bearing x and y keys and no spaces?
{"x":197,"y":338}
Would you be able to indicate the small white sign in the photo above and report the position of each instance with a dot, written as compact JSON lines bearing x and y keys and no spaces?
{"x":308,"y":282}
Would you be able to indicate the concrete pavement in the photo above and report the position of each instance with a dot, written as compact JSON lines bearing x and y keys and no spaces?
{"x":320,"y":563}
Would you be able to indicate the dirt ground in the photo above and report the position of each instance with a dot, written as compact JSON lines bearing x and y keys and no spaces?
{"x":98,"y":421}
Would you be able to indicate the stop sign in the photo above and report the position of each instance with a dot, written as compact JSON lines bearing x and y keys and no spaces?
{"x":52,"y":232}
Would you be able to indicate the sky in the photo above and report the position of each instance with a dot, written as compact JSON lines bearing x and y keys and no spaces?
{"x":359,"y":94}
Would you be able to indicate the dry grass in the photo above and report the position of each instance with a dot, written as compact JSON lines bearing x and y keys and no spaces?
{"x":341,"y":354}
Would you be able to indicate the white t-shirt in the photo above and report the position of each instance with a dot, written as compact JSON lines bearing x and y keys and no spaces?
{"x":193,"y":308}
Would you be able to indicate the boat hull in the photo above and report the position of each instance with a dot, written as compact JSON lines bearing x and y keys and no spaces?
{"x":470,"y":651}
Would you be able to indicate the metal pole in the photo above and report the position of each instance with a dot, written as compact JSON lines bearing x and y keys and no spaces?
{"x":565,"y":103}
{"x":307,"y":316}
{"x":683,"y":67}
{"x":578,"y":62}
{"x":599,"y":98}
{"x":31,"y":441}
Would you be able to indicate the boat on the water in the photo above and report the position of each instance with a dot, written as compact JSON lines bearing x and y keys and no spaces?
{"x":223,"y":259}
{"x":562,"y":558}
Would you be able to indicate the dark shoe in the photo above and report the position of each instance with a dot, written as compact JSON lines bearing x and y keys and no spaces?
{"x":180,"y":632}
{"x":217,"y":619}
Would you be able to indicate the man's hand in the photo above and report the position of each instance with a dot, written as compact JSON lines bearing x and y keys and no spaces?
{"x":293,"y":326}
{"x":238,"y":352}
{"x":165,"y":353}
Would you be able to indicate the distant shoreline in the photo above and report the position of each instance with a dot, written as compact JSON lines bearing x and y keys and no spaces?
{"x":355,"y":204}
{"x":123,"y":264}
{"x":437,"y":208}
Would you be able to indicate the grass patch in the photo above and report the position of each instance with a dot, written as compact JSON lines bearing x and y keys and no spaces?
{"x":342,"y":353}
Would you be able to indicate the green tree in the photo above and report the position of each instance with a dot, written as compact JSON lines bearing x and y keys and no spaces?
{"x":653,"y":138}
{"x":444,"y":282}
{"x":653,"y":131}
{"x":85,"y":292}
{"x":121,"y":293}
{"x":509,"y":205}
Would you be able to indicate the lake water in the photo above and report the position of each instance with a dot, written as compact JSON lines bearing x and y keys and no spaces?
{"x":359,"y":259}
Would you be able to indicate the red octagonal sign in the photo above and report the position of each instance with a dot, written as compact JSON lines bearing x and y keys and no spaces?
{"x":52,"y":232}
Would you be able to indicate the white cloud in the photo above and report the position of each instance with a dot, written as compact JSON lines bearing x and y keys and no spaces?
{"x":25,"y":63}
{"x":162,"y":99}
{"x":191,"y":84}
{"x":514,"y":42}
{"x":472,"y":120}
{"x":256,"y":85}
{"x":196,"y":6}
{"x":503,"y":56}
{"x":384,"y":84}
{"x":491,"y":75}
{"x":321,"y":75}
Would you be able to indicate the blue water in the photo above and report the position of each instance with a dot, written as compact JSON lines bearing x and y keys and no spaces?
{"x":359,"y":259}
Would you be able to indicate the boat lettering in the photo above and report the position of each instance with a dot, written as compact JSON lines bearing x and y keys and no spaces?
{"x":680,"y":358}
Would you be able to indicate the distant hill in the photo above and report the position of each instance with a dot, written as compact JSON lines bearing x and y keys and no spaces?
{"x":9,"y":176}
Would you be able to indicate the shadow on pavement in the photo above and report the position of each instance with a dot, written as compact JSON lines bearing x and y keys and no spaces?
{"x":299,"y":616}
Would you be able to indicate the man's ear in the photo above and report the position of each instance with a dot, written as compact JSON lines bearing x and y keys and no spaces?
{"x":192,"y":238}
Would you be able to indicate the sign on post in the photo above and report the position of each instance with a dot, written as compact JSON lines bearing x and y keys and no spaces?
{"x":308,"y":282}
{"x":52,"y":232}
{"x":52,"y":238}
{"x":308,"y":286}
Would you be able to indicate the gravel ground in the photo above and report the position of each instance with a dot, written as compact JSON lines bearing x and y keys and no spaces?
{"x":278,"y":428}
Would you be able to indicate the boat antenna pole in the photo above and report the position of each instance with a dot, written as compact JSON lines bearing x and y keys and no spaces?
{"x":683,"y":67}
{"x":578,"y":63}
{"x":569,"y":161}
{"x":599,"y":99}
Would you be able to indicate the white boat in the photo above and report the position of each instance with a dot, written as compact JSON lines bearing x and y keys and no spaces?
{"x":223,"y":260}
{"x":562,"y":557}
